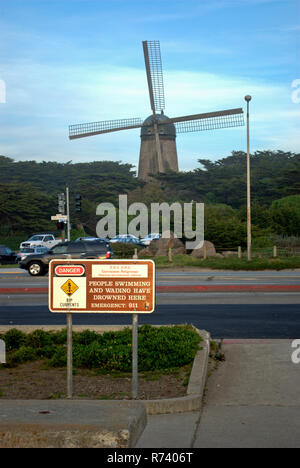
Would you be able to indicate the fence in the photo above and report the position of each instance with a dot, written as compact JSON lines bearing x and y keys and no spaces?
{"x":266,"y":252}
{"x":263,"y":252}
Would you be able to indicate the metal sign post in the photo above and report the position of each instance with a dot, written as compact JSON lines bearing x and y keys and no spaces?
{"x":135,"y":386}
{"x":68,"y":214}
{"x":69,"y":356}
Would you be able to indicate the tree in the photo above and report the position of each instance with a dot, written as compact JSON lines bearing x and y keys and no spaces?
{"x":285,"y":214}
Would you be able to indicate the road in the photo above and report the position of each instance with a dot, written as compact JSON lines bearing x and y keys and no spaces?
{"x":225,"y":314}
{"x":15,"y":277}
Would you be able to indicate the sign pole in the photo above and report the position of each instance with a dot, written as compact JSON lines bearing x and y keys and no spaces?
{"x":134,"y":356}
{"x":68,"y":214}
{"x":69,"y":356}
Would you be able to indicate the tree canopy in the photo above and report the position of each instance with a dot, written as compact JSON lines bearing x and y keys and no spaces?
{"x":28,"y":193}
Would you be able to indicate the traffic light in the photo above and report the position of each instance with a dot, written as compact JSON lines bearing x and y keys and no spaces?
{"x":60,"y":226}
{"x":78,"y":202}
{"x":61,"y":203}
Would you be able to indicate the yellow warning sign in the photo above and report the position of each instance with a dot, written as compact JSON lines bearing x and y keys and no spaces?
{"x":69,"y":287}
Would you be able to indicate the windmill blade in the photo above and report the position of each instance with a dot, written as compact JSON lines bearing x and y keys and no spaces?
{"x":209,"y":121}
{"x":106,"y":126}
{"x":154,"y":75}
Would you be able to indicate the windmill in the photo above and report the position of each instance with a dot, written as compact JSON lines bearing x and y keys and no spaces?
{"x":158,"y":153}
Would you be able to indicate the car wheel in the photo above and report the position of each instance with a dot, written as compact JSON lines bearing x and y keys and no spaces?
{"x":35,"y":269}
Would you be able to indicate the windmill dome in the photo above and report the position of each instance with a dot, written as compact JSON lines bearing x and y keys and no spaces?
{"x":165,"y":131}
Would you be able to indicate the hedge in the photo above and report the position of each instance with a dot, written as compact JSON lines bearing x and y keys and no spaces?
{"x":158,"y":348}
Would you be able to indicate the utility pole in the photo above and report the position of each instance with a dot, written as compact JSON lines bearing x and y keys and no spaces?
{"x":68,"y":214}
{"x":248,"y":99}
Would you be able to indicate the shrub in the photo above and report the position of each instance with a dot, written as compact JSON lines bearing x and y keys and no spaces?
{"x":85,"y":337}
{"x":38,"y":339}
{"x":47,"y":352}
{"x":124,"y":250}
{"x":158,"y":348}
{"x":59,"y":337}
{"x":23,"y":354}
{"x":59,"y":358}
{"x":165,"y":347}
{"x":14,"y":339}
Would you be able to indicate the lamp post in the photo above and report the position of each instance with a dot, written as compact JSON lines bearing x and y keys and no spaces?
{"x":248,"y":99}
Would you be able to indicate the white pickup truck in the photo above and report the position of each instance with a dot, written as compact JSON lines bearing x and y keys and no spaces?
{"x":41,"y":240}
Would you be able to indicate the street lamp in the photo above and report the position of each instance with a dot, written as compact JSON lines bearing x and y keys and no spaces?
{"x":248,"y":99}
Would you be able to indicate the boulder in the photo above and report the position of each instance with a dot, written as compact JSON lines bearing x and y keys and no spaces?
{"x":160,"y":247}
{"x":210,"y":250}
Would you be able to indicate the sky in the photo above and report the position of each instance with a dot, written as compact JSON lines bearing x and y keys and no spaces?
{"x":66,"y":62}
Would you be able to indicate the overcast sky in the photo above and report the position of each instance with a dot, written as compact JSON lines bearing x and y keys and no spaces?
{"x":73,"y":61}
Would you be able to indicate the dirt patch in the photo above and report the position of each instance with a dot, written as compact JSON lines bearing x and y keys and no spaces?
{"x":33,"y":381}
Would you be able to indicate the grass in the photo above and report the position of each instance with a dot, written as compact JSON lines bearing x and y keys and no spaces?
{"x":231,"y":263}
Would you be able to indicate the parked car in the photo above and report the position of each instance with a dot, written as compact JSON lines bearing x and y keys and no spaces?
{"x":41,"y":240}
{"x":92,"y":239}
{"x":127,"y":238}
{"x":7,"y":255}
{"x":25,"y":251}
{"x":38,"y":264}
{"x":153,"y":236}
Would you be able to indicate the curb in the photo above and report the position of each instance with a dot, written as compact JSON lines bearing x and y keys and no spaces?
{"x":193,"y":400}
{"x":71,"y":424}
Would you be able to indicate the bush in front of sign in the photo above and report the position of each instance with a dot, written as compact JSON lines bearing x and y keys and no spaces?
{"x":13,"y":338}
{"x":164,"y":347}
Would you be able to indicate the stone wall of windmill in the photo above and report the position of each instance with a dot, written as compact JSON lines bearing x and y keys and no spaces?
{"x":148,"y":163}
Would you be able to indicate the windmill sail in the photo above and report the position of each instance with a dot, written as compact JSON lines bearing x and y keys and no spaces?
{"x":154,"y":75}
{"x":156,"y":89}
{"x":106,"y":126}
{"x":209,"y":121}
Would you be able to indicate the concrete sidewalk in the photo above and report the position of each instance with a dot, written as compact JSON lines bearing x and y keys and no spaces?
{"x":252,"y":400}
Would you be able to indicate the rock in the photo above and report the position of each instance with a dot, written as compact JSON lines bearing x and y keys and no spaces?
{"x":210,"y":250}
{"x":160,"y":247}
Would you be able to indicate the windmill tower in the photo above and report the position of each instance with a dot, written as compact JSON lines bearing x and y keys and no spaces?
{"x":158,"y":153}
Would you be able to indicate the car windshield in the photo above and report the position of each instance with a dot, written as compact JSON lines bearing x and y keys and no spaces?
{"x":36,"y":238}
{"x":59,"y":249}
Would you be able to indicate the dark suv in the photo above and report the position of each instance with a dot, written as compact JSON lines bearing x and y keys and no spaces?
{"x":6,"y":255}
{"x":38,"y":264}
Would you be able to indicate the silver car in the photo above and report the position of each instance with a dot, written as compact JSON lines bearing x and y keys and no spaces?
{"x":26,"y":251}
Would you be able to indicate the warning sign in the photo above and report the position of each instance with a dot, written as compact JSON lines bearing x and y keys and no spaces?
{"x":69,"y":287}
{"x":102,"y":286}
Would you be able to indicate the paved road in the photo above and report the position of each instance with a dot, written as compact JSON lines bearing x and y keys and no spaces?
{"x":11,"y":277}
{"x":223,"y":321}
{"x":225,"y":315}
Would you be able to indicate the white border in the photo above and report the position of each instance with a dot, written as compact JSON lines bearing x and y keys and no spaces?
{"x":78,"y":261}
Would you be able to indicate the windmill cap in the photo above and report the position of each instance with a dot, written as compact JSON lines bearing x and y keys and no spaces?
{"x":167,"y":130}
